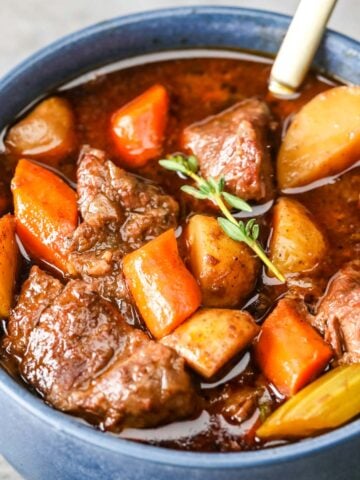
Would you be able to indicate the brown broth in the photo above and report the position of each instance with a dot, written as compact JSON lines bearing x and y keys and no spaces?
{"x":198,"y":88}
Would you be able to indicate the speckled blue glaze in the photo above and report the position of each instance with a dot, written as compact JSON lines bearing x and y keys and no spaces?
{"x":43,"y":444}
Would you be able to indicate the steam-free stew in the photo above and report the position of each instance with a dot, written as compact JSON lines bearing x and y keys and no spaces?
{"x":179,"y":254}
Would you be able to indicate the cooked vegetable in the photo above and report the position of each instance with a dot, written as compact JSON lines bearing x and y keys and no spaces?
{"x":78,"y":338}
{"x":9,"y":259}
{"x":138,"y":127}
{"x":323,"y":139}
{"x":165,"y":292}
{"x":213,"y":190}
{"x":225,"y":270}
{"x":45,"y":212}
{"x":329,"y":402}
{"x":47,"y":133}
{"x":289,"y":351}
{"x":297,"y":243}
{"x":211,"y":337}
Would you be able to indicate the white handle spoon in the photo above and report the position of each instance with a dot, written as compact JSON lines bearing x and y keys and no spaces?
{"x":299,"y":45}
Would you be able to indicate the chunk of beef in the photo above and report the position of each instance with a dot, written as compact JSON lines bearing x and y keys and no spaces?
{"x":109,"y":196}
{"x":77,"y":335}
{"x":121,"y":212}
{"x":32,"y":302}
{"x":233,"y":144}
{"x":338,"y":315}
{"x":149,"y":388}
{"x":82,"y":357}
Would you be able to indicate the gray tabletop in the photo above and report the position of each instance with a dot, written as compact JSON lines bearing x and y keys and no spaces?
{"x":28,"y":25}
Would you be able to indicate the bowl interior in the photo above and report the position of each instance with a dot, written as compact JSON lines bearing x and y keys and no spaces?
{"x":127,"y":37}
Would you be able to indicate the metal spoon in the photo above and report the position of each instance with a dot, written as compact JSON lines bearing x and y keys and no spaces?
{"x":299,"y":45}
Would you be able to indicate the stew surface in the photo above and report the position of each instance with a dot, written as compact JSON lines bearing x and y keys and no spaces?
{"x":216,"y":411}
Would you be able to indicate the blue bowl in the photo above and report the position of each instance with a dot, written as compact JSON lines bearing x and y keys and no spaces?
{"x":43,"y":444}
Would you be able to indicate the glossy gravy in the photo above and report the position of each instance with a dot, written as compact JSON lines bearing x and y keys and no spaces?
{"x":200,"y":87}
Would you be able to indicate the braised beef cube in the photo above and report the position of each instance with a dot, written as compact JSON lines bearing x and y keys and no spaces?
{"x":149,"y":388}
{"x":338,"y":315}
{"x":37,"y":293}
{"x":121,"y":212}
{"x":77,"y":335}
{"x":82,"y":357}
{"x":108,"y":195}
{"x":234,"y":144}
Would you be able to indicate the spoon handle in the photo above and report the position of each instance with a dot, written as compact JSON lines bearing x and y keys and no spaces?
{"x":299,"y":45}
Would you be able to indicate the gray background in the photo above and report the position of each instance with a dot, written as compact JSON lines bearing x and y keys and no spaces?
{"x":26,"y":25}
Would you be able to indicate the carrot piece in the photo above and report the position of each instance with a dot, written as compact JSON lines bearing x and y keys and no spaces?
{"x":211,"y":337}
{"x":289,"y":351}
{"x":45,"y":212}
{"x":165,"y":292}
{"x":9,"y":260}
{"x":138,"y":127}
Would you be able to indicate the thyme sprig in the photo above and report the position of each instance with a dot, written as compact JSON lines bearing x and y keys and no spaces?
{"x":213,"y":190}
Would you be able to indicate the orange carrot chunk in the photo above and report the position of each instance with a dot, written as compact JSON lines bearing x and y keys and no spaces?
{"x":138,"y":127}
{"x":45,"y":212}
{"x":289,"y":351}
{"x":165,"y":292}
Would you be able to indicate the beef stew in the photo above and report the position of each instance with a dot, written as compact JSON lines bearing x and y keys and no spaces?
{"x":133,"y":308}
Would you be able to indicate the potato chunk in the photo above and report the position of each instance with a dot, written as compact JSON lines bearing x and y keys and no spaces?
{"x":47,"y":133}
{"x":225,"y":270}
{"x":323,"y":139}
{"x":211,"y":337}
{"x":9,"y":258}
{"x":297,"y":243}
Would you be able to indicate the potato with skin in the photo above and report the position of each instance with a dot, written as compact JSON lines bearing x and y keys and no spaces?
{"x":323,"y":139}
{"x":47,"y":133}
{"x":211,"y":337}
{"x":297,"y":244}
{"x":9,"y":259}
{"x":225,"y":270}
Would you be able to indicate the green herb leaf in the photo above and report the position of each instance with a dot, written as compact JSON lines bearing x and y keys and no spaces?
{"x":213,"y":190}
{"x":249,"y":226}
{"x":255,"y":232}
{"x":173,"y":166}
{"x":242,"y":227}
{"x":236,"y":202}
{"x":194,"y":192}
{"x":221,"y":184}
{"x":205,"y":188}
{"x":193,"y":163}
{"x":232,"y":230}
{"x":213,"y":185}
